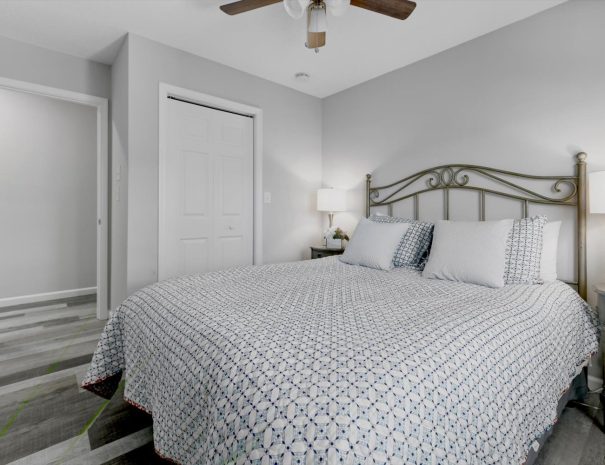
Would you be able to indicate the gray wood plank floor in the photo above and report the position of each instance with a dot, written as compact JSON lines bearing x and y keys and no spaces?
{"x":46,"y":419}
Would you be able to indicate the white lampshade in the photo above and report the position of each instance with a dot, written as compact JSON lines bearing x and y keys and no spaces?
{"x":596,"y":192}
{"x":331,"y":200}
{"x":317,"y":19}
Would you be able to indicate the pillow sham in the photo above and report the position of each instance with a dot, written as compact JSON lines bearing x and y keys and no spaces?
{"x":469,"y":251}
{"x":524,"y":251}
{"x":373,"y":244}
{"x":550,"y":250}
{"x":413,"y":250}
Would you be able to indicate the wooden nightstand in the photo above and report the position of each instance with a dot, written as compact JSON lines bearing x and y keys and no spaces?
{"x":321,"y":251}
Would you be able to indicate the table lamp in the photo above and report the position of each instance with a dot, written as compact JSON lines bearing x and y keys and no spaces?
{"x":331,"y":201}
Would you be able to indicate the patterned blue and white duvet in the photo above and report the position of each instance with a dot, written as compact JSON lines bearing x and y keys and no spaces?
{"x":321,"y":362}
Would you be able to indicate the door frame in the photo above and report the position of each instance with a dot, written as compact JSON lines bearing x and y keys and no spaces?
{"x":101,"y":105}
{"x":168,"y":90}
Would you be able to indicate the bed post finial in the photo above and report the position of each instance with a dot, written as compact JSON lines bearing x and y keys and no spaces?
{"x":581,"y":207}
{"x":368,"y":181}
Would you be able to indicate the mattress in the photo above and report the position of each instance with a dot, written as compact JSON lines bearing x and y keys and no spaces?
{"x":320,"y":362}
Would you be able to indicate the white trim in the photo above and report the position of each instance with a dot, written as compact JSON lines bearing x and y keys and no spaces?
{"x":46,"y":296}
{"x":101,"y":105}
{"x":167,"y":90}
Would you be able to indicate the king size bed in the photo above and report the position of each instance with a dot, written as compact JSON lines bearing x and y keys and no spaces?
{"x":322,"y":361}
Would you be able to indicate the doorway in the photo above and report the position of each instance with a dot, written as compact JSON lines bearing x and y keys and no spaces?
{"x":54,"y":196}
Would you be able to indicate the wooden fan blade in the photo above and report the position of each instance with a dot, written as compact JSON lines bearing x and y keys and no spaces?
{"x":316,"y":39}
{"x":399,"y":9}
{"x":242,"y":6}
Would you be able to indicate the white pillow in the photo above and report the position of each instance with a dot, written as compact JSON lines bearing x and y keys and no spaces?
{"x":469,"y":251}
{"x":373,"y":244}
{"x":550,"y":249}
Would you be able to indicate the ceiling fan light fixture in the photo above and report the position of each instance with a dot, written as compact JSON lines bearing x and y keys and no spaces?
{"x":296,"y":8}
{"x":338,"y":7}
{"x":317,"y":18}
{"x":316,"y":12}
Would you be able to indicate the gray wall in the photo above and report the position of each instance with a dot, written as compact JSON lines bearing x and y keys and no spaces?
{"x":291,"y":152}
{"x":118,"y":173}
{"x":29,"y":63}
{"x":48,"y":196}
{"x":526,"y":97}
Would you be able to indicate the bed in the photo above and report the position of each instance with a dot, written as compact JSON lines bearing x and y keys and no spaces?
{"x":322,"y":362}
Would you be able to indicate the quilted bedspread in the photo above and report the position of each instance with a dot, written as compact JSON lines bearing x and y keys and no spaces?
{"x":321,"y":362}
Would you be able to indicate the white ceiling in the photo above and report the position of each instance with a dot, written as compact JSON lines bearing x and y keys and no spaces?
{"x":266,"y":42}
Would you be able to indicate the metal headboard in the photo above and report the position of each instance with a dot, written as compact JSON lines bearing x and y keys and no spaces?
{"x":569,"y":191}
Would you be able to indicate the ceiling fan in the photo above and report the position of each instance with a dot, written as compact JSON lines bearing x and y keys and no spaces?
{"x":316,"y":11}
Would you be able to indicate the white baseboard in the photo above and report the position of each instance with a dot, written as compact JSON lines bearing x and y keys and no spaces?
{"x":594,"y":382}
{"x":33,"y":298}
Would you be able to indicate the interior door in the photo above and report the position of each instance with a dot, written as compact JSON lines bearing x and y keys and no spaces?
{"x":207,"y":190}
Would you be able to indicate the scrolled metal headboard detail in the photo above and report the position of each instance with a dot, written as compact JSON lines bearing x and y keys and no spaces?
{"x":565,"y":191}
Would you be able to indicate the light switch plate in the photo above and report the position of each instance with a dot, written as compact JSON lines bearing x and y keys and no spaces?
{"x":267,"y":197}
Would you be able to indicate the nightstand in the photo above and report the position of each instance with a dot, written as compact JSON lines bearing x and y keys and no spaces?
{"x":600,"y":290}
{"x":321,"y":251}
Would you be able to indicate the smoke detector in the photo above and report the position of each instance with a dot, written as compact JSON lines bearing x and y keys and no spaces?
{"x":302,"y":77}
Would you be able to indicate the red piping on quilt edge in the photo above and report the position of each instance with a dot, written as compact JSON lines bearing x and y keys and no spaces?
{"x":99,"y":380}
{"x":90,"y":385}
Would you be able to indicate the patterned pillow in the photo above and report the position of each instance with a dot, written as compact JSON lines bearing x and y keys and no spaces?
{"x":413,"y":250}
{"x":524,"y":251}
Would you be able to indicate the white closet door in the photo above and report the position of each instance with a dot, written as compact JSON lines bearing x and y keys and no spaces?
{"x":207,"y":191}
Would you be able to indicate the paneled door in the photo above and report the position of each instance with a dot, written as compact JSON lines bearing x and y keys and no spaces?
{"x":207,"y":191}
